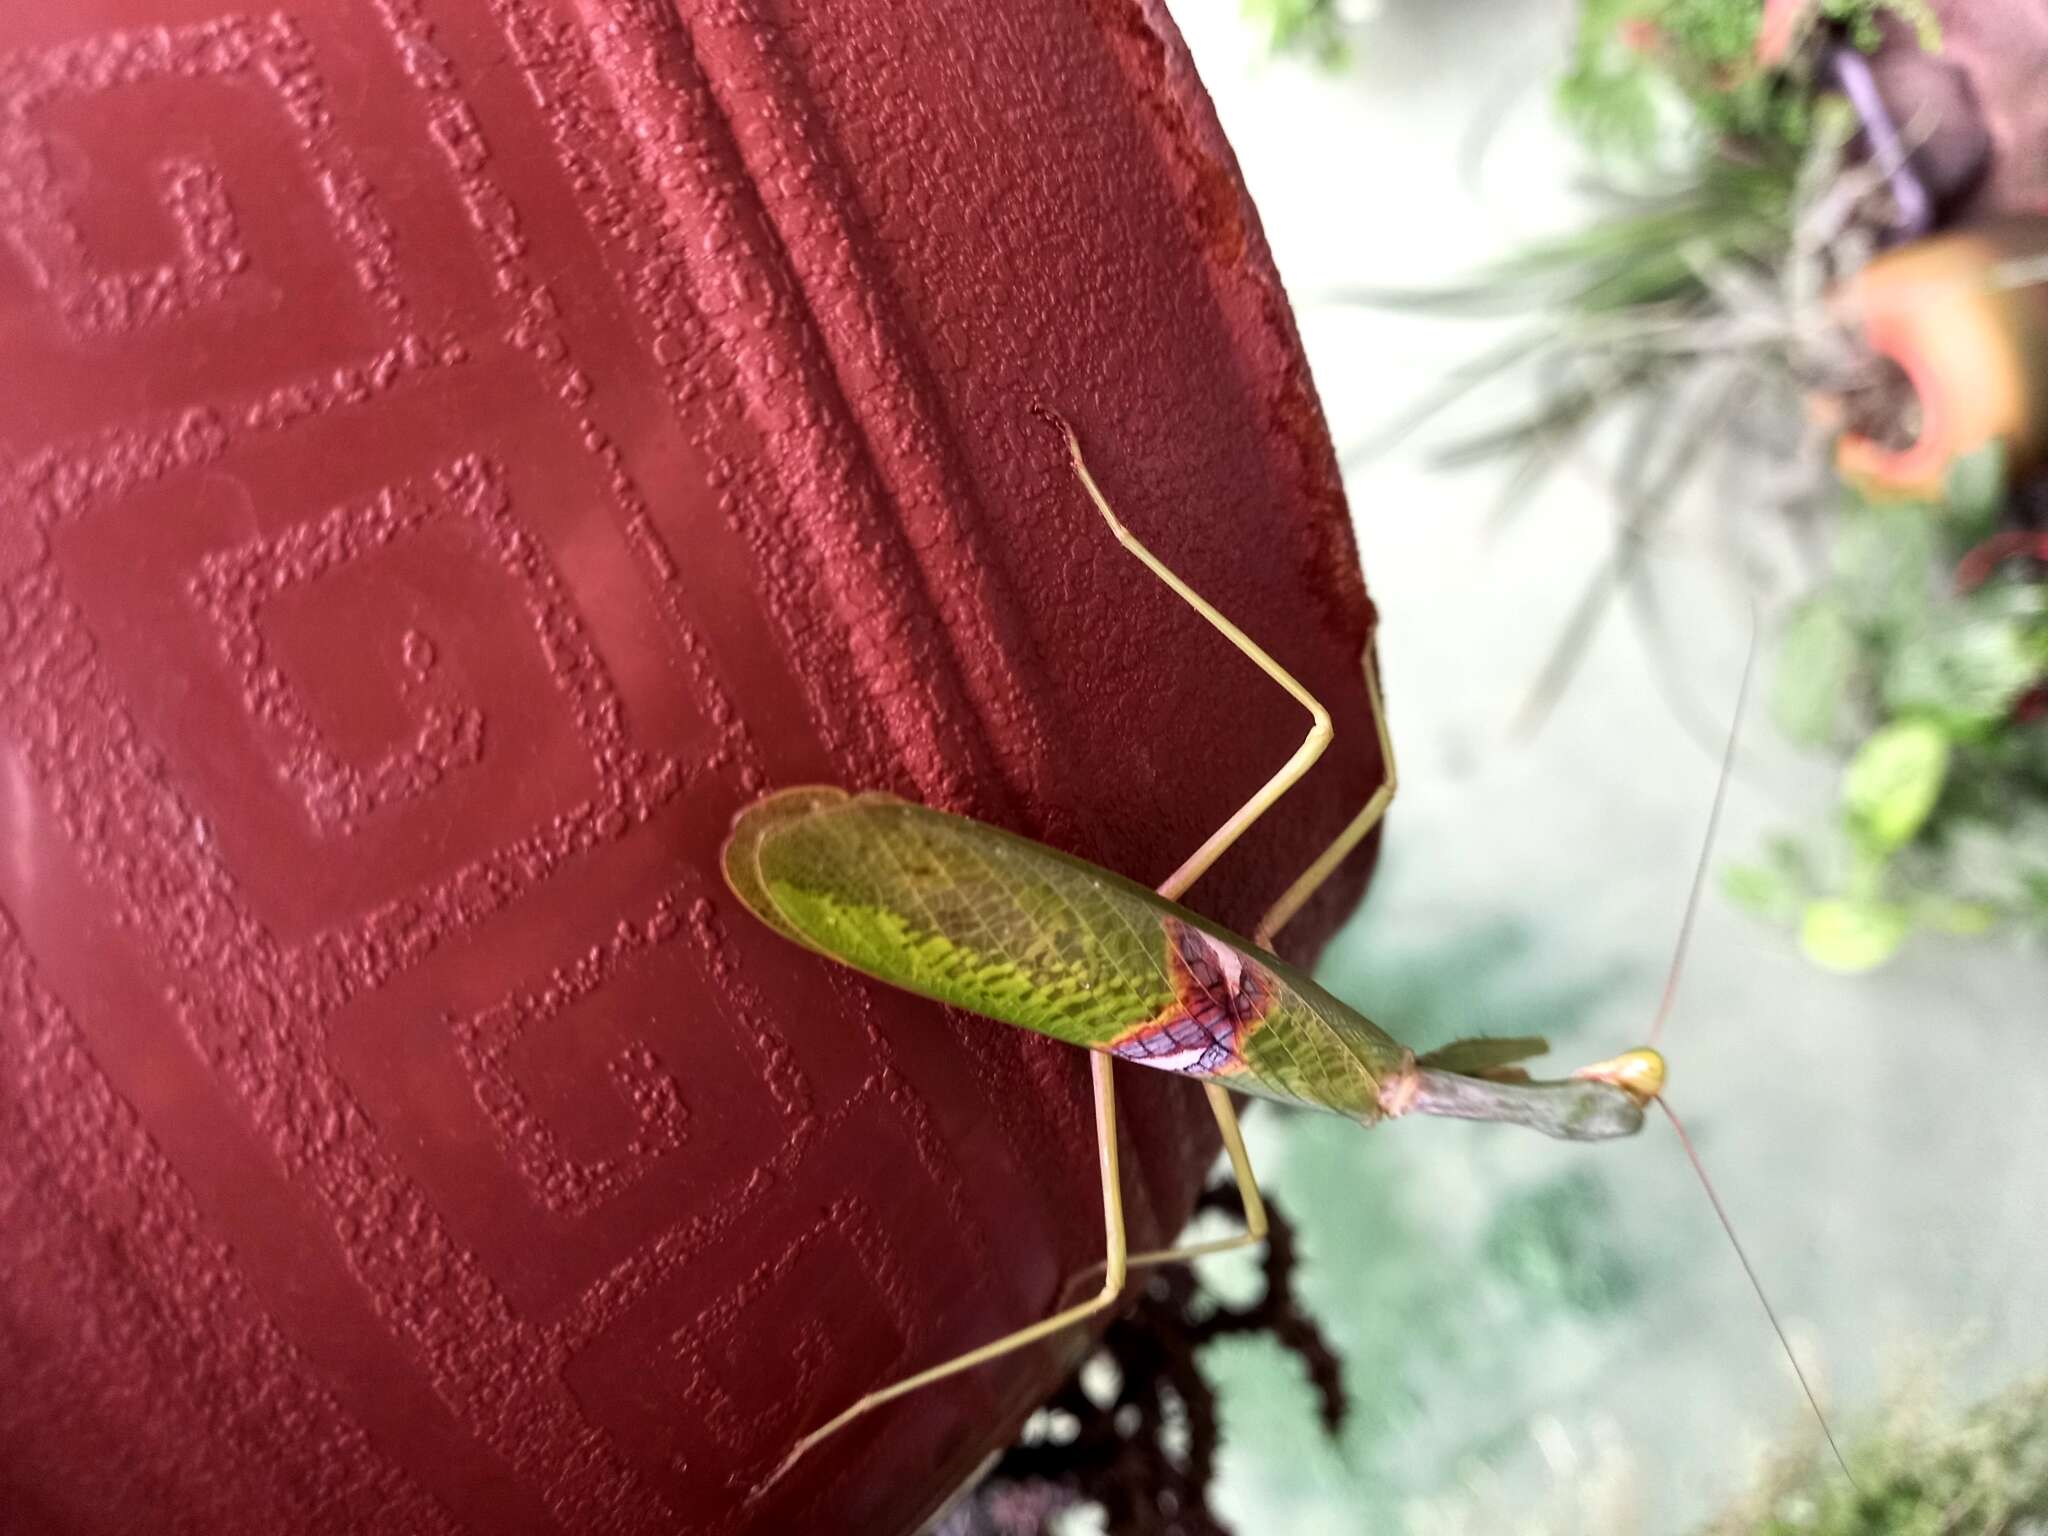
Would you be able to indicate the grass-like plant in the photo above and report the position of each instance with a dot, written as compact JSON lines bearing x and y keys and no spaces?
{"x":1919,"y":1472}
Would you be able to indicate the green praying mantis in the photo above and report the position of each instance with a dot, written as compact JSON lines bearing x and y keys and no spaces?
{"x":979,"y":918}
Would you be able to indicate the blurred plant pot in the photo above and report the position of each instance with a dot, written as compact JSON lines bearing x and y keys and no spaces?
{"x":1967,"y":326}
{"x":452,"y":455}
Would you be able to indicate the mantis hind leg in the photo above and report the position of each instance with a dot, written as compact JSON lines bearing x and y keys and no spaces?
{"x":1247,"y":1189}
{"x":1291,"y":900}
{"x":1114,"y":1265}
{"x":1117,"y":1261}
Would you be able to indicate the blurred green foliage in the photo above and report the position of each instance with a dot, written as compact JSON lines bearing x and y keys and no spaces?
{"x":1632,"y":60}
{"x":1628,"y":314}
{"x":1312,"y":28}
{"x":1439,"y":1264}
{"x":1928,"y":684}
{"x":1920,"y":1473}
{"x":1560,"y":1241}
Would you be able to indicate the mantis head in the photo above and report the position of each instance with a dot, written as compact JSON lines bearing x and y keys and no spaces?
{"x":1638,"y":1073}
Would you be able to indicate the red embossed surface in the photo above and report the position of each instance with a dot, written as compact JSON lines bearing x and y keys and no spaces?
{"x":453,"y":453}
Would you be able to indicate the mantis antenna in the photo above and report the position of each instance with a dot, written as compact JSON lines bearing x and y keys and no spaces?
{"x":1699,"y":872}
{"x":1685,"y":927}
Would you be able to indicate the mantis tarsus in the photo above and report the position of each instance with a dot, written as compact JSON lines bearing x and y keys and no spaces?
{"x":985,"y":920}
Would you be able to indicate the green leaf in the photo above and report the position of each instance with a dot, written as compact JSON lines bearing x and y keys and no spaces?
{"x":1869,"y":868}
{"x":1777,"y":888}
{"x":1862,"y":18}
{"x":1885,"y":557}
{"x":1314,"y":28}
{"x":1763,"y":891}
{"x":1974,"y":491}
{"x":1960,"y":919}
{"x":1894,"y":781}
{"x":1815,"y":659}
{"x":1993,"y":859}
{"x":1968,"y":669}
{"x":1852,"y":936}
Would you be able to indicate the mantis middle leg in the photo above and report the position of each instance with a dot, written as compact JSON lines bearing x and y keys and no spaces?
{"x":1276,"y":917}
{"x":1296,"y":894}
{"x":1117,"y":1260}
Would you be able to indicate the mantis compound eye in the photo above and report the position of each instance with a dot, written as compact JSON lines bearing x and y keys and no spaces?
{"x":1639,"y":1073}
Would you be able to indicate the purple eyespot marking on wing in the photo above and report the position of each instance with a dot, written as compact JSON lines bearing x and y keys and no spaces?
{"x":1220,"y":996}
{"x":1181,"y":1045}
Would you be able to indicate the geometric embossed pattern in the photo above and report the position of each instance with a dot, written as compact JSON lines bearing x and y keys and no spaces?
{"x":453,"y":454}
{"x":447,"y":732}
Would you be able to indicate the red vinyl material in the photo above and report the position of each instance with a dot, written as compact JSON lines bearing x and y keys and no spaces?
{"x":453,"y":454}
